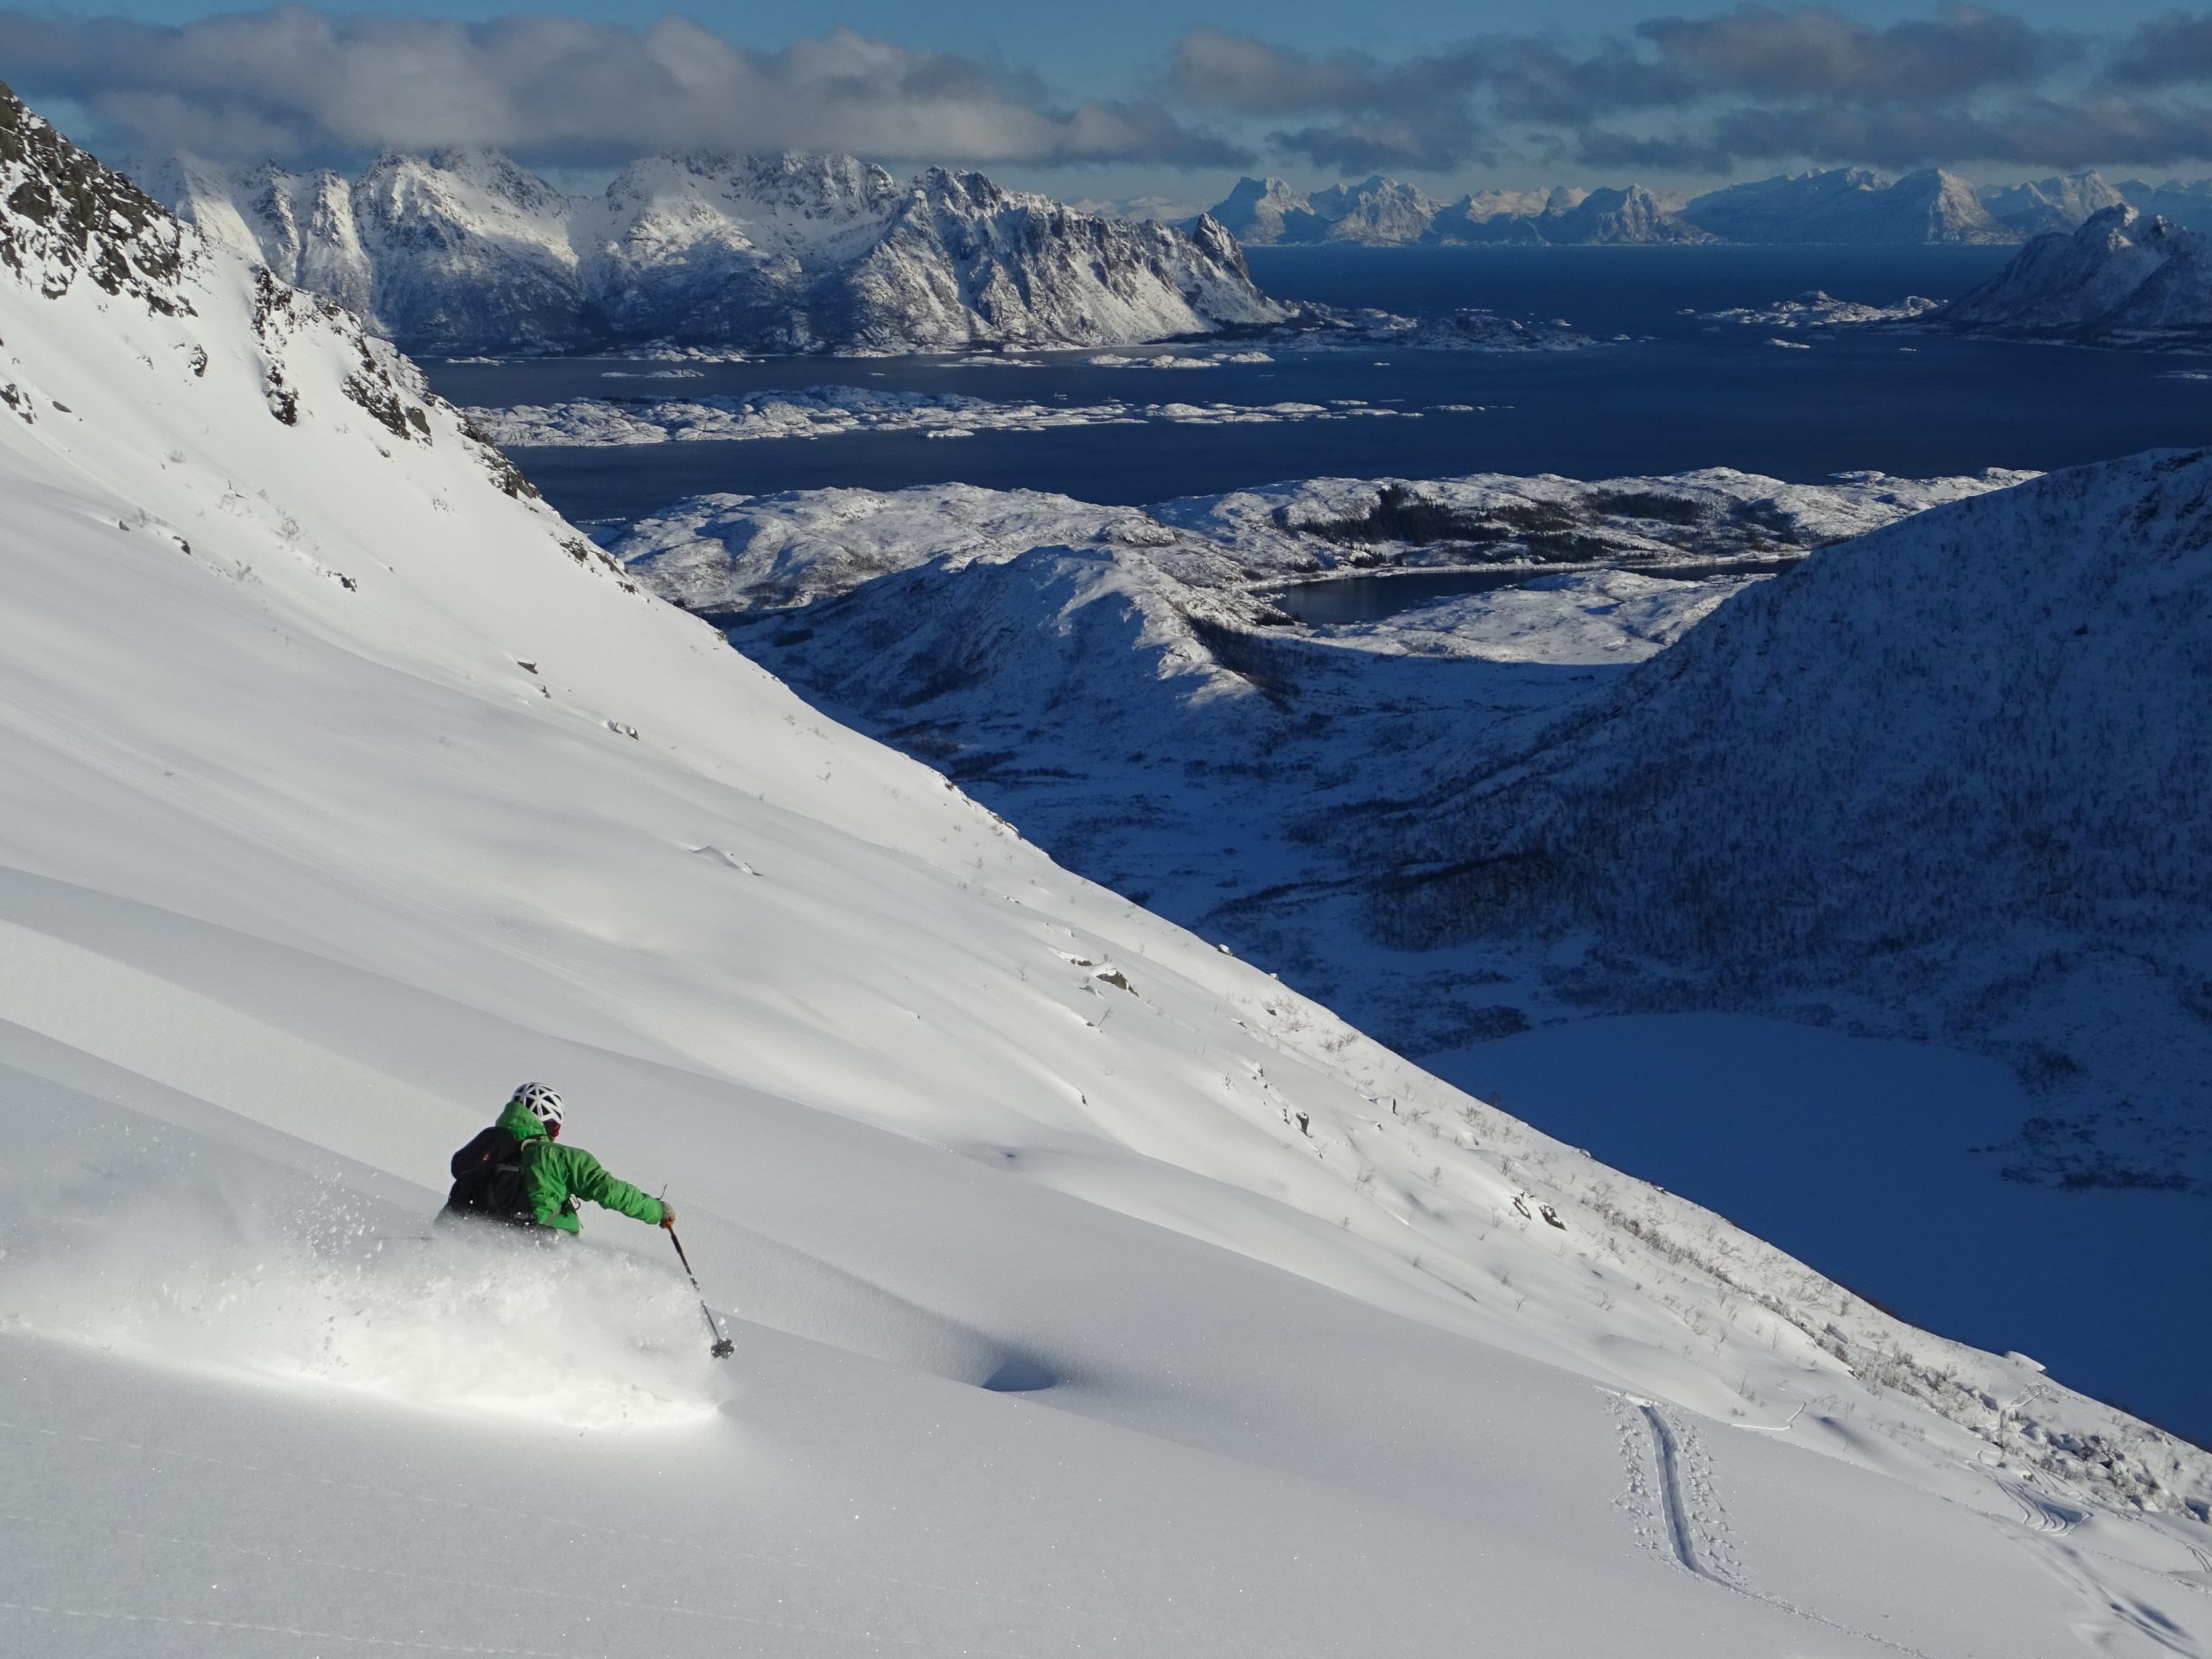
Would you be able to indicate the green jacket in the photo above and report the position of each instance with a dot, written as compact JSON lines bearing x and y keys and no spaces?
{"x":554,"y":1176}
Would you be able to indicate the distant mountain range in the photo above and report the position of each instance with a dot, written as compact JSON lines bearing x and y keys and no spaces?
{"x":1851,"y":206}
{"x":1385,"y":213}
{"x":464,"y":251}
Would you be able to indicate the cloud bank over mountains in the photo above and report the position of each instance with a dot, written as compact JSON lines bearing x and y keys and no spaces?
{"x":298,"y":84}
{"x":1755,"y":83}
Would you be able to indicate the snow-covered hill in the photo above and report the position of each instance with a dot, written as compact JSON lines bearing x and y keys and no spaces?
{"x":1849,"y":205}
{"x":462,"y":251}
{"x":2118,"y":279}
{"x":1936,"y":780}
{"x":1091,"y":1290}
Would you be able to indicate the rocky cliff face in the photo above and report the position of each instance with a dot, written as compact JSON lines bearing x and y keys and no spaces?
{"x":466,"y":251}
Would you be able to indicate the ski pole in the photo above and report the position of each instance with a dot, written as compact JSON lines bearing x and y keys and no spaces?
{"x":724,"y":1347}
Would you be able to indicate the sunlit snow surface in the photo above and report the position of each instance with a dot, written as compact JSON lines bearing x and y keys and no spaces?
{"x":1092,"y":1292}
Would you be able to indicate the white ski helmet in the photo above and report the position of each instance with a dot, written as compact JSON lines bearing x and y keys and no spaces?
{"x":540,"y":1102}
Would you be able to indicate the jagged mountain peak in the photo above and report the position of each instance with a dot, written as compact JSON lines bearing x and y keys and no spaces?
{"x":2119,"y":276}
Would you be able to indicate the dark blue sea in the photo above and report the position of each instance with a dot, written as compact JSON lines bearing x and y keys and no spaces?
{"x":1676,"y":393}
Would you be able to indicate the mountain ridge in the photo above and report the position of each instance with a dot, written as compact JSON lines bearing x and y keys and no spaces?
{"x":2120,"y":278}
{"x":1843,"y":205}
{"x":464,"y":251}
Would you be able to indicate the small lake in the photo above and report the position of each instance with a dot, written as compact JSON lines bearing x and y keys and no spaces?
{"x":1677,"y":394}
{"x":1373,"y":596}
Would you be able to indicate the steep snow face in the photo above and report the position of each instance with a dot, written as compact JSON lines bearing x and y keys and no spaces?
{"x":301,"y":227}
{"x":1378,"y":212}
{"x":342,"y":786}
{"x":1632,"y":215}
{"x":961,"y":263}
{"x":2118,"y":275}
{"x":1999,"y":678}
{"x":466,"y":252}
{"x":984,"y":630}
{"x":1261,"y":212}
{"x":2046,"y":205}
{"x":709,"y":247}
{"x":1848,"y":204}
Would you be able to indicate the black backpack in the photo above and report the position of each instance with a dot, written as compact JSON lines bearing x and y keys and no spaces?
{"x":488,"y":1179}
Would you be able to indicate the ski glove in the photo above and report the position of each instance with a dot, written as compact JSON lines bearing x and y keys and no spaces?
{"x":667,"y":1215}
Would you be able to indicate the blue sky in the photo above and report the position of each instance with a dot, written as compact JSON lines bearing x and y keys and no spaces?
{"x":1145,"y":97}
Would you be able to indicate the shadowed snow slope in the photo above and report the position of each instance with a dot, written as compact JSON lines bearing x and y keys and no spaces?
{"x":1951,"y":771}
{"x":1091,"y":1291}
{"x":2119,"y":277}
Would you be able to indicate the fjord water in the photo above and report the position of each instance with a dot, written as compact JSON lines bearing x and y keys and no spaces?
{"x":1666,"y":392}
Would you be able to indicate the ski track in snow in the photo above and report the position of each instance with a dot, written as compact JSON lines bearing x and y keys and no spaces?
{"x":1684,"y":1521}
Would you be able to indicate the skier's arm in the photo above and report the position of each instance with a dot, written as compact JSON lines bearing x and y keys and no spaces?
{"x":588,"y":1179}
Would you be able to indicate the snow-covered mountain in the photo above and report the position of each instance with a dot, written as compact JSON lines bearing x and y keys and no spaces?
{"x":1378,"y":212}
{"x":2187,"y":203}
{"x":1605,"y":217}
{"x":464,"y":251}
{"x":1939,"y":773}
{"x":983,"y":631}
{"x":2119,"y":277}
{"x":1262,"y":211}
{"x":2045,"y":205}
{"x":1848,"y":204}
{"x":1091,"y":1290}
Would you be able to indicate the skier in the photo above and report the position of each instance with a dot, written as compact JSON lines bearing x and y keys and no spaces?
{"x":515,"y":1171}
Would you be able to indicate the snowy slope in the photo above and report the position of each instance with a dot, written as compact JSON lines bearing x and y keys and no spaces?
{"x":2002,"y":677}
{"x":466,"y":251}
{"x":1848,"y":204}
{"x":984,"y":630}
{"x":1262,"y":211}
{"x":1092,"y":1290}
{"x":2120,"y":278}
